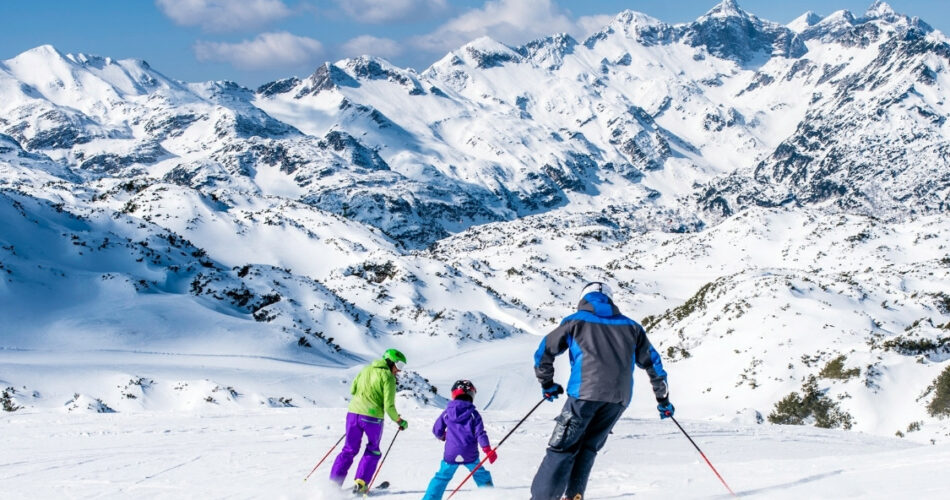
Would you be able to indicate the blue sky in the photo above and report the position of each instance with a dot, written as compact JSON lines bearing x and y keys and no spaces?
{"x":257,"y":41}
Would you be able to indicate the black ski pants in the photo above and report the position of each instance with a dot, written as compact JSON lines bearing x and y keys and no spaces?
{"x":580,"y":432}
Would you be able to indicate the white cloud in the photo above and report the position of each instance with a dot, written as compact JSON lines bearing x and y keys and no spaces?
{"x":223,"y":15}
{"x":267,"y":50}
{"x":508,"y":21}
{"x":588,"y":25}
{"x":371,"y":45}
{"x":382,"y":11}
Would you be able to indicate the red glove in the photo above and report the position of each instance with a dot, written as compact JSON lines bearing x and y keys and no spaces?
{"x":490,"y":453}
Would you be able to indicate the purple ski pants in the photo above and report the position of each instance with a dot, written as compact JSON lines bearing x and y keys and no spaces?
{"x":356,"y":426}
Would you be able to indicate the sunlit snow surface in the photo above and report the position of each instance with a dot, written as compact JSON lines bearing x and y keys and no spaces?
{"x":243,"y":445}
{"x":267,"y":453}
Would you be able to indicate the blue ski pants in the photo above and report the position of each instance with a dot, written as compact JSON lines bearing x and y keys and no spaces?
{"x":581,"y":431}
{"x":441,"y":479}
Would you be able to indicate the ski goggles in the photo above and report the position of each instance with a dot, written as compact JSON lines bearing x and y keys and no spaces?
{"x":400,"y":365}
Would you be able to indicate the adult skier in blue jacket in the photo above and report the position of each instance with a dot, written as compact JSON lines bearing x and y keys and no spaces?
{"x":603,"y":346}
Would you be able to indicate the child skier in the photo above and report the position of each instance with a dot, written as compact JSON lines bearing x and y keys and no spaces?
{"x":460,"y":426}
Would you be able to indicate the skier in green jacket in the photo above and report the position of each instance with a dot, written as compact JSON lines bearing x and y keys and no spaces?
{"x":374,"y":394}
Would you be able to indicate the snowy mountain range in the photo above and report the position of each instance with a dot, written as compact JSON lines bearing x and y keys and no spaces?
{"x":770,"y":200}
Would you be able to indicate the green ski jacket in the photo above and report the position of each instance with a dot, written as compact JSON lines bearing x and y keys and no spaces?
{"x":374,"y":391}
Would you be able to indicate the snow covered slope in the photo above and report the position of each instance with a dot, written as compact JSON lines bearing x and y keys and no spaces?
{"x":266,"y":454}
{"x":769,"y":200}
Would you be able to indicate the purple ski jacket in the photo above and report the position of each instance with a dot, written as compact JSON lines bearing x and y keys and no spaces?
{"x":461,"y":427}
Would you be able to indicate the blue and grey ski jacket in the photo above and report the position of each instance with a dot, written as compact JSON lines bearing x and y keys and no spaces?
{"x":603,"y":346}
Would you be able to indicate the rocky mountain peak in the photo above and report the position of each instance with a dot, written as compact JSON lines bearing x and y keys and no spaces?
{"x":880,"y":9}
{"x":368,"y":67}
{"x":327,"y":76}
{"x":634,"y":18}
{"x":731,"y":33}
{"x":486,"y":52}
{"x":882,"y":12}
{"x":634,"y":25}
{"x":725,"y":9}
{"x":804,"y":21}
{"x":278,"y":86}
{"x":838,"y":17}
{"x":549,"y":50}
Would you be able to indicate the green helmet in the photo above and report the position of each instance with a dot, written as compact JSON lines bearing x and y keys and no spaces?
{"x":395,"y":357}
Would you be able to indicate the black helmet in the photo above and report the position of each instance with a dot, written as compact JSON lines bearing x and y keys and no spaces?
{"x":463,"y":387}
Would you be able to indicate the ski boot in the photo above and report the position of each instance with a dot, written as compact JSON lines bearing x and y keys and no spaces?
{"x":359,"y":487}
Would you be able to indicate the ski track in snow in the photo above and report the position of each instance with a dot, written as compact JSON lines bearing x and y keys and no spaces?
{"x":493,"y":393}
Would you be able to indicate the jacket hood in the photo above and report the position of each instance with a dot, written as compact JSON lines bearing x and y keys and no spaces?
{"x":379,"y":363}
{"x":599,"y":304}
{"x":459,"y":411}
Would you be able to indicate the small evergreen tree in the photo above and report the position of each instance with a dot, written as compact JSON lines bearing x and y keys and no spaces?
{"x":835,"y":370}
{"x":791,"y":410}
{"x":6,"y":400}
{"x":812,"y":404}
{"x":940,"y":405}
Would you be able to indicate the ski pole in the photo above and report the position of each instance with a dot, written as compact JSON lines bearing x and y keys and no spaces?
{"x":497,"y":446}
{"x":325,"y":456}
{"x":381,"y":462}
{"x":704,"y":456}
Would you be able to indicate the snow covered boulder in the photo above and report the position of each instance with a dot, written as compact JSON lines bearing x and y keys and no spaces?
{"x":82,"y":403}
{"x":748,"y":416}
